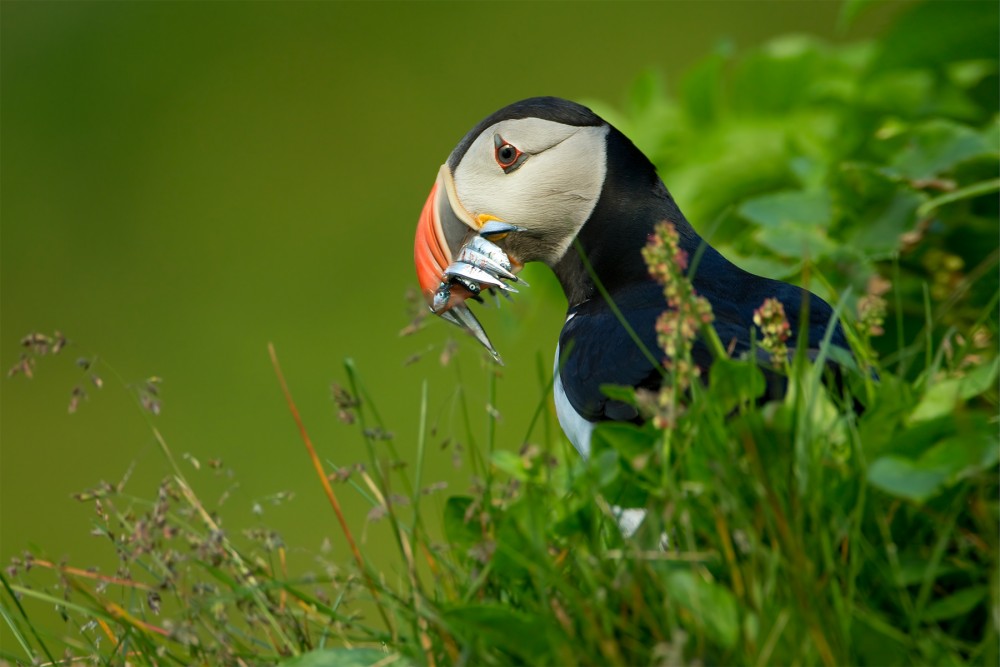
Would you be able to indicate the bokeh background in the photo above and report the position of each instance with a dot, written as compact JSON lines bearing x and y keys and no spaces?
{"x":184,"y":182}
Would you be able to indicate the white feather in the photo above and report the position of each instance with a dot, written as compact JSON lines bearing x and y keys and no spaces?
{"x":576,"y":428}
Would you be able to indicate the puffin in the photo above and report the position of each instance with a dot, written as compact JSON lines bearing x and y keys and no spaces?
{"x":548,"y":180}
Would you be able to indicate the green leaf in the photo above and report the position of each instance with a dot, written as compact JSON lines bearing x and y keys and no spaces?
{"x":460,"y":533}
{"x":793,"y":222}
{"x":968,"y":73}
{"x":796,"y":240}
{"x":501,"y":627}
{"x":899,"y":93}
{"x":735,"y":162}
{"x":942,"y":465}
{"x":939,"y":400}
{"x":979,"y":380}
{"x":779,"y":76}
{"x":904,"y":478}
{"x":617,"y":449}
{"x":877,"y":638}
{"x":763,"y":265}
{"x":605,"y":462}
{"x":955,"y":605}
{"x":701,"y":90}
{"x":732,"y":383}
{"x":937,"y":147}
{"x":943,"y":397}
{"x":712,"y":606}
{"x":788,"y":207}
{"x":510,"y":463}
{"x":346,"y":657}
{"x":962,"y":456}
{"x":627,"y":439}
{"x":913,"y":570}
{"x":885,"y":221}
{"x":617,"y":392}
{"x":932,"y":33}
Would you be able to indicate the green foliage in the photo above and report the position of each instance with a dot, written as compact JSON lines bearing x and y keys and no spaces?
{"x":844,"y":158}
{"x":845,"y":523}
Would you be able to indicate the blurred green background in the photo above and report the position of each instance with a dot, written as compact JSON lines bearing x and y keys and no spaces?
{"x":184,"y":182}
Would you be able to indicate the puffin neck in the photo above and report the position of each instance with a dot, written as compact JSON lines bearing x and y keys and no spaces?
{"x":633,"y":201}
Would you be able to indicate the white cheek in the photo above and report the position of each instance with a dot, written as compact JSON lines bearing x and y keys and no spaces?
{"x":553,"y":192}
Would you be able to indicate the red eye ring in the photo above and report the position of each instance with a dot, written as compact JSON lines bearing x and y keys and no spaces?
{"x":507,"y":155}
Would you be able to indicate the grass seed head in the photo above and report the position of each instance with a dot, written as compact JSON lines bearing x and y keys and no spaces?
{"x":775,"y":329}
{"x":677,"y":327}
{"x":872,"y":307}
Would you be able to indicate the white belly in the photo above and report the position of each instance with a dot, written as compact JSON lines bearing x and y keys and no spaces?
{"x":576,"y":428}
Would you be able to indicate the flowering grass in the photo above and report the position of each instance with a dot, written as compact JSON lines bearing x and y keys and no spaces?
{"x":800,"y":532}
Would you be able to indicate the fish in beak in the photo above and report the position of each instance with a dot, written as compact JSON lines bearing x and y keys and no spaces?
{"x":457,"y":257}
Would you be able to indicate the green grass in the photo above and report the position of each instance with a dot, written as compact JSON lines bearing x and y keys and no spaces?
{"x":852,"y":524}
{"x":800,"y":533}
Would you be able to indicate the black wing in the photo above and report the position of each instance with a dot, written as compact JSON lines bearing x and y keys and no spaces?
{"x":597,"y":349}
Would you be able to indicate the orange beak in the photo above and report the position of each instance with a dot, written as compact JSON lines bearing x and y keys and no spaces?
{"x":440,"y":235}
{"x":430,"y":254}
{"x":454,"y":258}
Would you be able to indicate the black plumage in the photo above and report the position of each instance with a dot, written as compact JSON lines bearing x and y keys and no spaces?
{"x":586,"y":202}
{"x":597,"y":348}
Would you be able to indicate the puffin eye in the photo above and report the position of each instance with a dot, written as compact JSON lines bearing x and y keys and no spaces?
{"x":507,"y":155}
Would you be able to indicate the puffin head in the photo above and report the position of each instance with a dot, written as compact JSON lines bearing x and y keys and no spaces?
{"x":519,"y":187}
